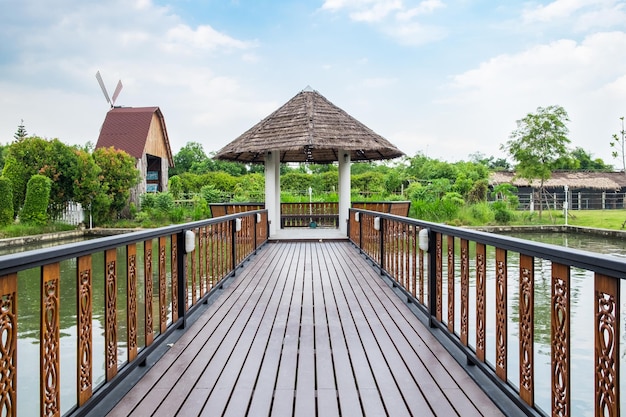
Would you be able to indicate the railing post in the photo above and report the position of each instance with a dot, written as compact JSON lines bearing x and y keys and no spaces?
{"x":181,"y":262}
{"x":360,"y":234}
{"x":233,"y":240}
{"x":381,"y":232}
{"x":432,"y":278}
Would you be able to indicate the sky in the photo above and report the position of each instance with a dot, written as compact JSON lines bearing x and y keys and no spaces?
{"x":447,"y":79}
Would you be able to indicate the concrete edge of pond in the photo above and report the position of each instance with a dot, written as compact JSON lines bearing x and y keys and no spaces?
{"x":62,"y":236}
{"x":552,"y":229}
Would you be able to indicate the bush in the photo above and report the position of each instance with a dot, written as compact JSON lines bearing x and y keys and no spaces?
{"x":147,"y":201}
{"x":502,"y":214}
{"x":6,"y":202}
{"x":35,"y":210}
{"x":164,"y":203}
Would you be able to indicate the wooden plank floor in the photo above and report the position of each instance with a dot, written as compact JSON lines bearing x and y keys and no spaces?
{"x":306,"y":329}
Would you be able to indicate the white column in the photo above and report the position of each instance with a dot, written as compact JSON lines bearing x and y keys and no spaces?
{"x":272,"y":190}
{"x":344,"y":190}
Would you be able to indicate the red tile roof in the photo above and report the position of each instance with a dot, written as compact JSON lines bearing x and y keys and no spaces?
{"x":126,"y":128}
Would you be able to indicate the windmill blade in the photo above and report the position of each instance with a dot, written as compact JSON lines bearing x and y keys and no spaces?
{"x":116,"y":93}
{"x":104,"y":90}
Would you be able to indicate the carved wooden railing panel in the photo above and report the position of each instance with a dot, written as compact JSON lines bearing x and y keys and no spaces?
{"x":510,"y":319}
{"x":501,"y":314}
{"x":526,"y":327}
{"x":131,"y":301}
{"x":148,"y":293}
{"x":50,"y":375}
{"x":110,"y":313}
{"x":606,"y":310}
{"x":560,"y":337}
{"x":85,"y":328}
{"x":119,"y":273}
{"x":8,"y":347}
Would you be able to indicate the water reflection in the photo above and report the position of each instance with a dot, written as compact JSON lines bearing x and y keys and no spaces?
{"x":29,"y":302}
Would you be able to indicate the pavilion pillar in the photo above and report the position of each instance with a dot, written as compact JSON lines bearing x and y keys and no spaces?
{"x":344,"y":190}
{"x":272,"y":190}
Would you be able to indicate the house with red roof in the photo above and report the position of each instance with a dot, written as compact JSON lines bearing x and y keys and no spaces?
{"x":141,"y":132}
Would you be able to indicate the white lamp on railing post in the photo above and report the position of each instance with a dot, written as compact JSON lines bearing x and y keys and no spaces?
{"x":190,"y":241}
{"x":422,"y":239}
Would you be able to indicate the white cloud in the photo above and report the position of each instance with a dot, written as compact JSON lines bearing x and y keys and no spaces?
{"x":397,"y":19}
{"x":587,"y":78}
{"x":580,"y":15}
{"x":204,"y":37}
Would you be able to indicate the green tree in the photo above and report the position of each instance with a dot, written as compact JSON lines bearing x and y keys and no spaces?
{"x":36,"y":203}
{"x":21,"y":131}
{"x":618,"y":143}
{"x":190,"y":154}
{"x":118,"y":176}
{"x":6,"y":203}
{"x":537,"y":144}
{"x":23,"y":159}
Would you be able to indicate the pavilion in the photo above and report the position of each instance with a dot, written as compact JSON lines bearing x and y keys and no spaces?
{"x":308,"y":128}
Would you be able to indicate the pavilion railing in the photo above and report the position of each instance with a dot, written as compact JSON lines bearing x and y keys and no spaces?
{"x":104,"y":305}
{"x":505,"y":301}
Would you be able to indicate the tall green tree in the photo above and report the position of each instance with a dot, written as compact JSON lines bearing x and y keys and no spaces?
{"x":539,"y":141}
{"x":21,"y":131}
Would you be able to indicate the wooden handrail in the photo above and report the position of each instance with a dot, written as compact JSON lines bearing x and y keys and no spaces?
{"x":150,"y":286}
{"x":458,"y":271}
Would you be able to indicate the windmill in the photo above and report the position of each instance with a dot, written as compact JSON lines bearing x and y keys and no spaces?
{"x":116,"y":93}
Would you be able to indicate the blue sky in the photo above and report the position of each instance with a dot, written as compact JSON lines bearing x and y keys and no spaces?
{"x":444,"y":78}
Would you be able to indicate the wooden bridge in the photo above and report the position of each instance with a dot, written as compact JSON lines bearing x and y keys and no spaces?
{"x":307,"y":329}
{"x":208,"y":318}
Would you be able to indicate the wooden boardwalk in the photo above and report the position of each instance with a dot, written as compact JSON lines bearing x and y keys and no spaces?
{"x":307,"y":329}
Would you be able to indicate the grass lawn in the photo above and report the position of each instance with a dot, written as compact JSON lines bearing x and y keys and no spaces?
{"x":602,"y":219}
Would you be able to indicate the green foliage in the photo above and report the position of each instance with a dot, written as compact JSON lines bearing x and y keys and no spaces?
{"x":296,"y":182}
{"x":21,"y":131}
{"x":73,"y":172}
{"x":164,"y":203}
{"x":506,"y":193}
{"x":147,"y":201}
{"x":175,"y":186}
{"x":118,"y":176}
{"x":35,"y":210}
{"x":6,"y":202}
{"x":23,"y":159}
{"x":478,"y":192}
{"x":210,"y":194}
{"x":502,"y":213}
{"x":200,"y":209}
{"x":191,"y":153}
{"x":539,"y":143}
{"x":372,"y":182}
{"x":251,"y":188}
{"x":437,"y":210}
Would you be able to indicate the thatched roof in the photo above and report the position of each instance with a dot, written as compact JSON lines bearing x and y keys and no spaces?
{"x":607,"y":181}
{"x":309,"y":128}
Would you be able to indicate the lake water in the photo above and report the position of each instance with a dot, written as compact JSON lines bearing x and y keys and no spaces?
{"x":581,"y":325}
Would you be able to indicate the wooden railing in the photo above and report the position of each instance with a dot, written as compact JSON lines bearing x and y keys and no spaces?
{"x":502,"y":316}
{"x":316,"y":214}
{"x":127,"y":294}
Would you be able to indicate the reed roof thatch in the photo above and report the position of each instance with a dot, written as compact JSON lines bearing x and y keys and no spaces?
{"x":309,"y":128}
{"x":605,"y":181}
